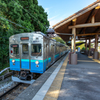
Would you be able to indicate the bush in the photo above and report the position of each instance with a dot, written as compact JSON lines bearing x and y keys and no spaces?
{"x":83,"y":48}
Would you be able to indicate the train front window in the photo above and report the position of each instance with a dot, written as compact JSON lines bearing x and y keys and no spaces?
{"x":36,"y":50}
{"x":25,"y":50}
{"x":15,"y":49}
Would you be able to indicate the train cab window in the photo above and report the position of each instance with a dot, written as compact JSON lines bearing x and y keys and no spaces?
{"x":25,"y":50}
{"x":15,"y":49}
{"x":36,"y":50}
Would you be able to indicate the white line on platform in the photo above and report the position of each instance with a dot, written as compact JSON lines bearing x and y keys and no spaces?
{"x":44,"y":89}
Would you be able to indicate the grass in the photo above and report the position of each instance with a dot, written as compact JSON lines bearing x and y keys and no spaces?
{"x":5,"y":66}
{"x":3,"y":73}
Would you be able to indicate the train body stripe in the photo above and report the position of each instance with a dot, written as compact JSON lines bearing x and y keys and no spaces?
{"x":15,"y":59}
{"x":24,"y":59}
{"x":45,"y":60}
{"x":49,"y":58}
{"x":57,"y":55}
{"x":36,"y":60}
{"x":25,"y":65}
{"x":31,"y":60}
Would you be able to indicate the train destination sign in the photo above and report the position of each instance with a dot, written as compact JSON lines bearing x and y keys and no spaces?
{"x":14,"y":45}
{"x":24,"y":38}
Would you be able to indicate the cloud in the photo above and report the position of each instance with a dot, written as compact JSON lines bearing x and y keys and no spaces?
{"x":53,"y":22}
{"x":55,"y":19}
{"x":50,"y":19}
{"x":47,"y":10}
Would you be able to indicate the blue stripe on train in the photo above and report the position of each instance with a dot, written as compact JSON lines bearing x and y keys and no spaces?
{"x":15,"y":66}
{"x":46,"y":62}
{"x":49,"y":59}
{"x":25,"y":65}
{"x":37,"y":68}
{"x":56,"y":56}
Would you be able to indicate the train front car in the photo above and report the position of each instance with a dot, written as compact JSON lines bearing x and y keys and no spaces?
{"x":26,"y":55}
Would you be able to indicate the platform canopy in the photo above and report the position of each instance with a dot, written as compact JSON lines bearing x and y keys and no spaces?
{"x":85,"y":23}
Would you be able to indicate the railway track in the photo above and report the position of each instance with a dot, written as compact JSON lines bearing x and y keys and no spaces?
{"x":6,"y":76}
{"x":13,"y":92}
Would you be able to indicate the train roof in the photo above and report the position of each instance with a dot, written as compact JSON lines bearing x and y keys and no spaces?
{"x":38,"y":32}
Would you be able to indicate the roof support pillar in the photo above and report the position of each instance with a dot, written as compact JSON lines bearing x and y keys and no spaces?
{"x":72,"y":43}
{"x":86,"y":51}
{"x":93,"y":19}
{"x":86,"y":45}
{"x":96,"y":53}
{"x":73,"y":46}
{"x":89,"y":46}
{"x":96,"y":43}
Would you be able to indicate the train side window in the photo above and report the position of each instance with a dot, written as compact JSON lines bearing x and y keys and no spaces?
{"x":36,"y":50}
{"x":25,"y":50}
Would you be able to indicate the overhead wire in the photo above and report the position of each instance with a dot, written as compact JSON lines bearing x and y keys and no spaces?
{"x":15,"y":23}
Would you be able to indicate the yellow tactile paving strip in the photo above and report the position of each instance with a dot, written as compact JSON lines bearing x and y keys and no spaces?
{"x":96,"y":60}
{"x":54,"y":90}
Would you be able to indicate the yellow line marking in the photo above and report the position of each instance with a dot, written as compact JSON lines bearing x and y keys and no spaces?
{"x":95,"y":60}
{"x":54,"y":89}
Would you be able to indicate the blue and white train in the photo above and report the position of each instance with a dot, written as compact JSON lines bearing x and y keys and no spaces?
{"x":32,"y":53}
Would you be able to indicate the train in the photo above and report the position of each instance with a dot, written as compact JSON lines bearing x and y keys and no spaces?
{"x":32,"y":53}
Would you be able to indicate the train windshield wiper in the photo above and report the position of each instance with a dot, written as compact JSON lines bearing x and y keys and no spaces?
{"x":38,"y":54}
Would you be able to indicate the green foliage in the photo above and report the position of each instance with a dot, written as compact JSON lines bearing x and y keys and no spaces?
{"x":76,"y":47}
{"x":26,"y":13}
{"x":83,"y":48}
{"x":59,"y":39}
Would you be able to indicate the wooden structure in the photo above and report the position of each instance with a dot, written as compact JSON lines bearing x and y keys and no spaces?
{"x":85,"y":24}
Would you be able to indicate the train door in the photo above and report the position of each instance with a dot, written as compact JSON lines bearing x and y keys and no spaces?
{"x":52,"y":54}
{"x":24,"y":57}
{"x":46,"y":55}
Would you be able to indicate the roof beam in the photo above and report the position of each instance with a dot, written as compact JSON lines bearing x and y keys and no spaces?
{"x":87,"y":34}
{"x":96,"y":30}
{"x":84,"y":38}
{"x":85,"y":25}
{"x":76,"y":15}
{"x":92,"y":13}
{"x":64,"y":34}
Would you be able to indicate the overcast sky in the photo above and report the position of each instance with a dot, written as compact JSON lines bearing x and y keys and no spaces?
{"x":58,"y":10}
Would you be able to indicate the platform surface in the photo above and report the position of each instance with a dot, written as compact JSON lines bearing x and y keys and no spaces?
{"x":72,"y":82}
{"x":81,"y":81}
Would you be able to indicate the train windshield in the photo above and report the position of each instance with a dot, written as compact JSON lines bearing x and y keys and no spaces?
{"x":36,"y":50}
{"x":25,"y":50}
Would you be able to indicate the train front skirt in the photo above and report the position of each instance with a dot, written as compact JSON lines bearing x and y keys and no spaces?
{"x":16,"y":79}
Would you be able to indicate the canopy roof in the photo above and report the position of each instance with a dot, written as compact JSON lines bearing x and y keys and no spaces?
{"x":82,"y":21}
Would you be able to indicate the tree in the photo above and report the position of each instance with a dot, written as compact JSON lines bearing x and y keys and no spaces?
{"x":18,"y":16}
{"x":59,"y":39}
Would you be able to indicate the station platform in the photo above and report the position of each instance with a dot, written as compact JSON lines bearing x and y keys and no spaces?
{"x":64,"y":81}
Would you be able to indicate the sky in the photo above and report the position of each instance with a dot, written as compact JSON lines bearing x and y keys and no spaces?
{"x":58,"y":10}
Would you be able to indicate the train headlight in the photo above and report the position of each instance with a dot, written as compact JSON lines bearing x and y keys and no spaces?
{"x":13,"y":61}
{"x":37,"y":62}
